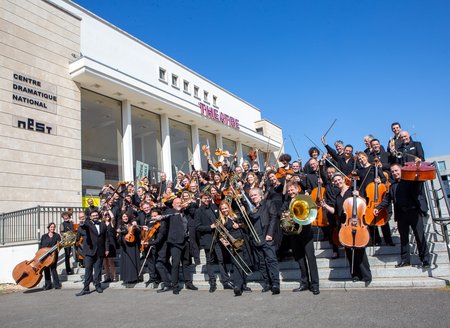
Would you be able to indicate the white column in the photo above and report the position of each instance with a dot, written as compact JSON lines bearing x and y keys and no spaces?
{"x":239,"y":152}
{"x":165,"y":151}
{"x":127,"y":142}
{"x":196,"y":151}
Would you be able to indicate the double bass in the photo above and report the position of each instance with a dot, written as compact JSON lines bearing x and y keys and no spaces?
{"x":29,"y":273}
{"x":375,"y":192}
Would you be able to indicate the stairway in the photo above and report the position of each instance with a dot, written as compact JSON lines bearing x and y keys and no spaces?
{"x":333,"y":273}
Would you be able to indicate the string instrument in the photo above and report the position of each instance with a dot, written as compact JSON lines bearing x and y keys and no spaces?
{"x":129,"y":237}
{"x":252,"y":155}
{"x":317,"y":195}
{"x":354,"y":232}
{"x":282,"y":172}
{"x":147,"y":234}
{"x":375,"y":192}
{"x":217,"y":198}
{"x":418,"y":171}
{"x":206,"y":152}
{"x":29,"y":273}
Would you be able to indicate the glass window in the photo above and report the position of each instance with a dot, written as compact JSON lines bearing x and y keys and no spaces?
{"x":260,"y":131}
{"x":245,"y":151}
{"x":101,"y":141}
{"x":146,"y":129}
{"x":174,"y":80}
{"x":442,"y":166}
{"x":196,"y":91}
{"x":186,"y":86}
{"x":204,"y":138}
{"x":229,"y":145}
{"x":181,"y":146}
{"x":205,"y":96}
{"x":162,"y":74}
{"x":215,"y":101}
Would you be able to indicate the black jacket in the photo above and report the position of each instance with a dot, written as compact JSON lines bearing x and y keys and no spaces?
{"x":94,"y":243}
{"x":204,"y":217}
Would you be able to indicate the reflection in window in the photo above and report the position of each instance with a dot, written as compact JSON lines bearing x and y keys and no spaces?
{"x":181,"y":146}
{"x":245,"y":151}
{"x":146,"y":129}
{"x":204,"y":138}
{"x":229,"y":145}
{"x":441,"y":166}
{"x":101,"y":141}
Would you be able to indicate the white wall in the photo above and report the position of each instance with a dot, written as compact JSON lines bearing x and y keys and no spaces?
{"x":13,"y":255}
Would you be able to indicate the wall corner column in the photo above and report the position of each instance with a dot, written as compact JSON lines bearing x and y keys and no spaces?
{"x":166,"y":156}
{"x":127,"y":142}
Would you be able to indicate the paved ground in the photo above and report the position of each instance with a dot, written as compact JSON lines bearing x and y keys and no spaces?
{"x":144,"y":308}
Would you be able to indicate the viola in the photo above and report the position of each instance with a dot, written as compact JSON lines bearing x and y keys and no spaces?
{"x":375,"y":192}
{"x":147,"y":234}
{"x":129,"y":237}
{"x":317,"y":194}
{"x":418,"y":171}
{"x":354,"y":232}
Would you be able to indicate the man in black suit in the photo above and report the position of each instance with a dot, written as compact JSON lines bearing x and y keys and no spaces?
{"x":409,"y":149}
{"x":265,"y":220}
{"x":410,"y":208}
{"x":95,"y":247}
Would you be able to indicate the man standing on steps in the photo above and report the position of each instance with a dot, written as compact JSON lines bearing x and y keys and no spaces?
{"x":410,"y":208}
{"x":95,"y":247}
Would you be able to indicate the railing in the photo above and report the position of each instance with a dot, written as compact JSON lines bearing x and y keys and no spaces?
{"x":28,"y":225}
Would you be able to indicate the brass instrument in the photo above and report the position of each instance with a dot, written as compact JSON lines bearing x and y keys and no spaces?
{"x":303,"y":209}
{"x":288,"y":225}
{"x":225,"y":234}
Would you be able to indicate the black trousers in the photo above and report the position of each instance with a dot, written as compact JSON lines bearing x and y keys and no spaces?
{"x":359,"y":267}
{"x":150,"y":262}
{"x":268,"y":264}
{"x":93,"y":271}
{"x":210,"y":256}
{"x":163,"y":266}
{"x":67,"y":253}
{"x":414,"y":219}
{"x":50,"y":274}
{"x":375,"y":234}
{"x":303,"y":248}
{"x":180,"y":255}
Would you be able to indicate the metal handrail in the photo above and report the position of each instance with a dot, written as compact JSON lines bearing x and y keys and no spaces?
{"x":28,"y":224}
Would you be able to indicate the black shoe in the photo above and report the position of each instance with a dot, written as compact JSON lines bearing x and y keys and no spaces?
{"x":197,"y":261}
{"x":176,"y":291}
{"x":212,"y":288}
{"x":164,"y":289}
{"x":99,"y":290}
{"x":47,"y":287}
{"x":246,"y":289}
{"x":237,"y":291}
{"x":69,"y":273}
{"x":315,"y":291}
{"x":228,"y":285}
{"x":190,"y":285}
{"x":83,"y":292}
{"x":403,"y":264}
{"x":58,"y":287}
{"x":367,"y":283}
{"x":275,"y":290}
{"x":266,"y":289}
{"x":156,"y":284}
{"x":426,"y":265}
{"x":355,"y":279}
{"x":106,"y":281}
{"x":300,"y":289}
{"x":335,"y":256}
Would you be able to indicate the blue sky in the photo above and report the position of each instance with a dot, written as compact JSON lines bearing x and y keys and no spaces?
{"x":306,"y":63}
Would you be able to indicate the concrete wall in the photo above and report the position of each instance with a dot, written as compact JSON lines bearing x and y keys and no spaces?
{"x":37,"y":43}
{"x":13,"y":255}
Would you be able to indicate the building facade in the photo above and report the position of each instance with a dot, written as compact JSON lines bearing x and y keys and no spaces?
{"x":84,"y":103}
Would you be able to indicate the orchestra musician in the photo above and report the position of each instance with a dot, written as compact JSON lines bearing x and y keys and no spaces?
{"x":345,"y":162}
{"x":109,"y":260}
{"x":409,"y":150}
{"x":265,"y":218}
{"x":303,"y":248}
{"x":66,"y":225}
{"x":359,"y":261}
{"x":410,"y":208}
{"x":314,"y":153}
{"x":129,"y":240}
{"x":50,"y":239}
{"x":394,"y":142}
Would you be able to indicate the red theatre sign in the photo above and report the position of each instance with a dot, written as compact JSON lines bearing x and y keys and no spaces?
{"x":215,"y":115}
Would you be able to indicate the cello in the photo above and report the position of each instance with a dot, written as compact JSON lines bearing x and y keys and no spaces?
{"x":317,"y":194}
{"x":375,"y":192}
{"x":354,"y":232}
{"x":29,"y":273}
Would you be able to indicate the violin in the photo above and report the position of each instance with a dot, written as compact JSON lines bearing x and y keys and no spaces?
{"x":129,"y":237}
{"x":317,"y":195}
{"x":147,"y":234}
{"x":282,"y":172}
{"x":375,"y":192}
{"x":217,"y":199}
{"x":418,"y":171}
{"x":252,"y":155}
{"x":354,"y":232}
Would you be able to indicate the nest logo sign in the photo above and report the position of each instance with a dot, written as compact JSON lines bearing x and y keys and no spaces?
{"x":33,"y":125}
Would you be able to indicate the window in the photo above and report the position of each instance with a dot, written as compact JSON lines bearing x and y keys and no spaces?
{"x":162,"y":74}
{"x":196,"y":91}
{"x":215,"y":101}
{"x":205,"y":96}
{"x":174,"y":81}
{"x":181,"y":146}
{"x":442,"y":166}
{"x":186,"y":86}
{"x":206,"y":138}
{"x":260,"y":131}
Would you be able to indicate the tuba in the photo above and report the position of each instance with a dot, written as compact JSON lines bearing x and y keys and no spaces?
{"x":303,"y":209}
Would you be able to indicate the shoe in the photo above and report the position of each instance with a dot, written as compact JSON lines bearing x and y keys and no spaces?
{"x":315,"y":291}
{"x":300,"y":289}
{"x":367,"y":283}
{"x":106,"y":281}
{"x":275,"y":290}
{"x":58,"y":287}
{"x":176,"y":291}
{"x":83,"y":292}
{"x":156,"y":284}
{"x":99,"y":290}
{"x":355,"y":279}
{"x":426,"y":265}
{"x":266,"y":289}
{"x":47,"y":287}
{"x":237,"y":291}
{"x":335,"y":256}
{"x":212,"y":288}
{"x":190,"y":285}
{"x":164,"y":289}
{"x":228,"y":285}
{"x":246,"y":289}
{"x":197,"y":261}
{"x":403,"y":264}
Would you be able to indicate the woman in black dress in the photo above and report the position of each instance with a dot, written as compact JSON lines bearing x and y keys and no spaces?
{"x":129,"y":243}
{"x":49,"y":240}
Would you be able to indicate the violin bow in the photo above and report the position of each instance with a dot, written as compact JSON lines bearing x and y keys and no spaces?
{"x":330,"y":127}
{"x":295,"y":148}
{"x":267,"y":151}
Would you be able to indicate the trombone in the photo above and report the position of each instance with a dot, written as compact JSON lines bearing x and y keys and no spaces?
{"x":232,"y":245}
{"x":251,"y":208}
